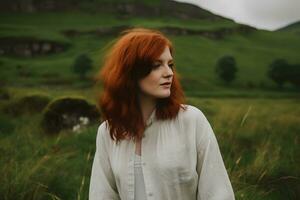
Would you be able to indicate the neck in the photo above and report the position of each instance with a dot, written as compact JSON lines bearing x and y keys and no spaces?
{"x":147,"y":105}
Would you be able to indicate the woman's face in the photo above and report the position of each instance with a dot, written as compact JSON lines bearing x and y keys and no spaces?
{"x":162,"y":73}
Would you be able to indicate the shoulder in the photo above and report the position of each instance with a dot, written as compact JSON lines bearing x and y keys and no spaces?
{"x":102,"y":128}
{"x":193,"y":117}
{"x":190,"y":113}
{"x":103,"y":132}
{"x":190,"y":116}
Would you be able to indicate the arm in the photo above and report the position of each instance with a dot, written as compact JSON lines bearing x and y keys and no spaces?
{"x":213,"y":183}
{"x":102,"y":183}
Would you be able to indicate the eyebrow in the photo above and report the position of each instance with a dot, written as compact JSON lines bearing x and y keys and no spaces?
{"x":171,"y":60}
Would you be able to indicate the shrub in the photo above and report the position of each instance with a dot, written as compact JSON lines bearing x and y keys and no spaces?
{"x":226,"y":68}
{"x":294,"y":77}
{"x":278,"y":71}
{"x":32,"y":103}
{"x":82,"y":65}
{"x":262,"y":84}
{"x":250,"y":85}
{"x":66,"y":113}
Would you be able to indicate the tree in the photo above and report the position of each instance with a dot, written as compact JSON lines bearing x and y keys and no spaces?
{"x":226,"y":68}
{"x":294,"y":75}
{"x":279,"y":71}
{"x":82,"y":65}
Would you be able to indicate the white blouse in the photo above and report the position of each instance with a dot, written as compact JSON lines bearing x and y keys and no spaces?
{"x":180,"y":160}
{"x":139,"y":184}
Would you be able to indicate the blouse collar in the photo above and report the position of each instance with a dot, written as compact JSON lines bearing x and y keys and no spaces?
{"x":151,"y":119}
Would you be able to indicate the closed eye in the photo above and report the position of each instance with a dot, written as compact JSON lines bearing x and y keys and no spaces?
{"x":156,"y":65}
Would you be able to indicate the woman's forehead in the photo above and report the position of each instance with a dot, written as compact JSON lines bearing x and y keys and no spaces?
{"x":165,"y":55}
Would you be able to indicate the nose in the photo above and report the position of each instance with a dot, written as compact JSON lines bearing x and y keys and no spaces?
{"x":168,"y":73}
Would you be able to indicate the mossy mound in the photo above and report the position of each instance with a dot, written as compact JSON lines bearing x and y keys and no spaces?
{"x":28,"y":104}
{"x":67,"y":113}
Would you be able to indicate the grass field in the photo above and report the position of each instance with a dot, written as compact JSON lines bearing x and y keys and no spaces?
{"x":258,"y":138}
{"x":256,"y":124}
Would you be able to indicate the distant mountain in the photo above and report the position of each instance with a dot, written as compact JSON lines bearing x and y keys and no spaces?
{"x":292,"y":27}
{"x":122,"y":8}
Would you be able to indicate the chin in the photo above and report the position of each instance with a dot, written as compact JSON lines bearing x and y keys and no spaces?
{"x":165,"y":95}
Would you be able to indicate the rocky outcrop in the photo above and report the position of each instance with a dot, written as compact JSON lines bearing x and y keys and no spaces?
{"x":183,"y":10}
{"x":29,"y":47}
{"x":31,"y":6}
{"x":101,"y":31}
{"x":212,"y":34}
{"x":121,"y":8}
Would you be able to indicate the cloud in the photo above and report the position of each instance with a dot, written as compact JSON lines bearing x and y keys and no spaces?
{"x":264,"y":14}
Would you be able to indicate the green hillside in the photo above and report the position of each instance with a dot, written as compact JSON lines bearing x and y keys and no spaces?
{"x":195,"y":55}
{"x":255,"y":122}
{"x":292,"y":27}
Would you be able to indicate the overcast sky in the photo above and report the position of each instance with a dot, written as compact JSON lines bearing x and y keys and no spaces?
{"x":262,"y":14}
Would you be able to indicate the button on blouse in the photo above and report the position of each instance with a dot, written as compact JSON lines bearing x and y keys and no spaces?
{"x":139,"y":186}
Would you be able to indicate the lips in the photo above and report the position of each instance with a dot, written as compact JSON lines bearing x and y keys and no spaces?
{"x":166,"y":83}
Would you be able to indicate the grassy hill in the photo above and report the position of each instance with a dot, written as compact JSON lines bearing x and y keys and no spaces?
{"x":120,"y":8}
{"x":195,"y":55}
{"x":257,"y":130}
{"x":292,"y":27}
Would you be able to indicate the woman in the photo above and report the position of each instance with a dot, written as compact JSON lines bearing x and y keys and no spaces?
{"x":151,"y":145}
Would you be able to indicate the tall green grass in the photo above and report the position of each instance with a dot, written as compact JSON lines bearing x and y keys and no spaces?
{"x":34,"y":166}
{"x":258,"y":138}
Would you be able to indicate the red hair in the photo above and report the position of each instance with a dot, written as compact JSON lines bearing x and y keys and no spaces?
{"x":129,"y":60}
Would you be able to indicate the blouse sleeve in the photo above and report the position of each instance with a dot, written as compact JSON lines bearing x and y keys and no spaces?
{"x":102,"y":182}
{"x":213,"y":183}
